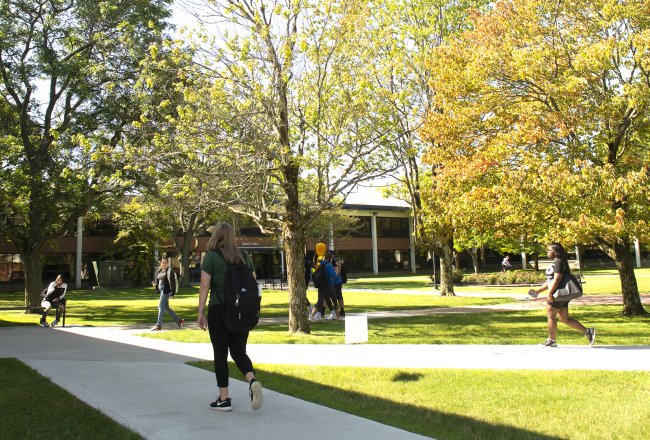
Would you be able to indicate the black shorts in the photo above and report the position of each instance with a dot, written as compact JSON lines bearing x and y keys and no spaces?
{"x":559,"y":304}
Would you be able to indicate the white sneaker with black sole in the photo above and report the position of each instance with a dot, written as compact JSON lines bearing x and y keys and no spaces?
{"x":255,"y":392}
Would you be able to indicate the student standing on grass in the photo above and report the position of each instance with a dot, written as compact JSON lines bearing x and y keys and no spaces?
{"x":554,"y":274}
{"x":166,"y":284}
{"x":326,"y":290}
{"x":317,"y":312}
{"x":213,"y":278}
{"x":54,"y":297}
{"x":338,"y":287}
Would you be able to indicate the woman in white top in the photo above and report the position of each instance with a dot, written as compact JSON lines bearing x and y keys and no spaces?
{"x":54,"y":296}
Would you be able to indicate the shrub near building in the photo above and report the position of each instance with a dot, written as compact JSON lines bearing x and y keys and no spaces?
{"x":509,"y":277}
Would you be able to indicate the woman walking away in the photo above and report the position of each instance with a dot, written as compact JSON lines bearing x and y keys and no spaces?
{"x":166,"y":284}
{"x":221,"y":251}
{"x":554,"y":308}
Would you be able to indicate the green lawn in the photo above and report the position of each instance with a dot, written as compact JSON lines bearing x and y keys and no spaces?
{"x":597,"y":282}
{"x":140,"y":306}
{"x":475,"y":404}
{"x":510,"y":328}
{"x":32,"y":407}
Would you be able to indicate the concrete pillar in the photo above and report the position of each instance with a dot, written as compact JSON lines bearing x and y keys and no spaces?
{"x":77,"y":269}
{"x":579,"y":263}
{"x":331,"y":238}
{"x":282,"y":263}
{"x":373,"y":232}
{"x":637,"y":252}
{"x":281,"y":244}
{"x":412,"y":245}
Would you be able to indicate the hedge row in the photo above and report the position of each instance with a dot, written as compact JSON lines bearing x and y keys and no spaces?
{"x":508,"y":277}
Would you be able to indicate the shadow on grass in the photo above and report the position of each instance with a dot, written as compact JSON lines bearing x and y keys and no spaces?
{"x":423,"y":421}
{"x":403,"y":376}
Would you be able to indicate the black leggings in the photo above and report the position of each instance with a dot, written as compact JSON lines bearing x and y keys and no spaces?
{"x":326,"y":296}
{"x":224,"y":340}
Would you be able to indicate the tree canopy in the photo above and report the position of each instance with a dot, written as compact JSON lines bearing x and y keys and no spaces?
{"x":67,"y":70}
{"x":542,"y":111}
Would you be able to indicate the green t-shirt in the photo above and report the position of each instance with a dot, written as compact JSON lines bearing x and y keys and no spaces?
{"x":214,"y":265}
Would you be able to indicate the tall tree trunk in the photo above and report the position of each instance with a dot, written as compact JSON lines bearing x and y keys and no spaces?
{"x":188,"y":238}
{"x":33,"y":279}
{"x":622,"y":255}
{"x":294,"y":248}
{"x":446,"y":268}
{"x":184,"y":248}
{"x":473,"y":252}
{"x":536,"y":262}
{"x":293,"y":234}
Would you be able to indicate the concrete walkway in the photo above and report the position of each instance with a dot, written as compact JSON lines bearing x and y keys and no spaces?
{"x":154,"y":393}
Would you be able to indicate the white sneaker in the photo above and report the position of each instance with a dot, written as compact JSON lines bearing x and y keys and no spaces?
{"x":255,"y":392}
{"x":54,"y":323}
{"x":318,"y":316}
{"x":331,"y":317}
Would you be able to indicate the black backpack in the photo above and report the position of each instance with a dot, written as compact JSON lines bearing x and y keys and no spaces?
{"x":320,"y":277}
{"x":241,"y":298}
{"x":57,"y":292}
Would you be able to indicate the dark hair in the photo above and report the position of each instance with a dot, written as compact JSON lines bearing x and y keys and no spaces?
{"x":561,"y":254}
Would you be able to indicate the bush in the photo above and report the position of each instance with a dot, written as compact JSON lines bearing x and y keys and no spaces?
{"x":508,"y":277}
{"x":457,"y":276}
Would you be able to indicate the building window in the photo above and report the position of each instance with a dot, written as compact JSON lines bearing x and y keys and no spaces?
{"x":392,"y":227}
{"x":361,"y":228}
{"x":356,"y":261}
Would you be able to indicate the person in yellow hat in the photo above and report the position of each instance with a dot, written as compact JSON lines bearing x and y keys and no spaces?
{"x":324,"y":278}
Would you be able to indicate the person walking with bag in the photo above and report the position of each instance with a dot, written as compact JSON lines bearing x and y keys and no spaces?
{"x":222,"y":251}
{"x":554,"y":308}
{"x":166,"y":284}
